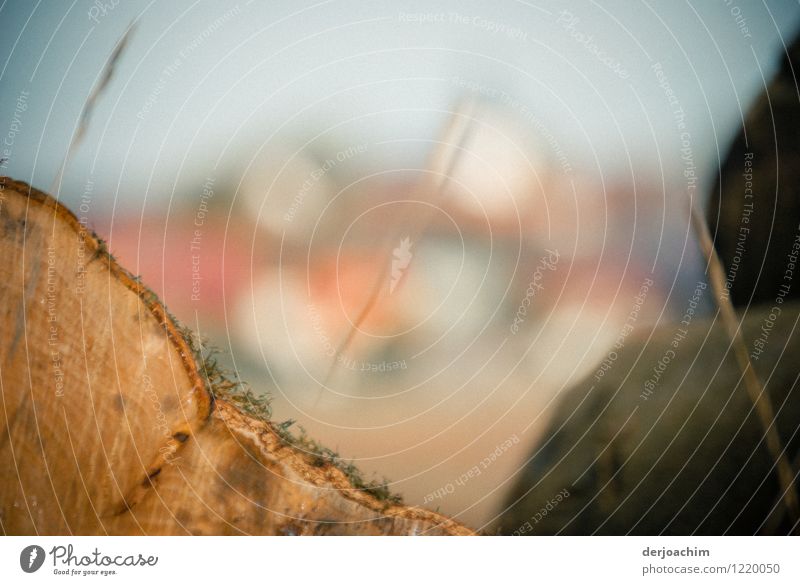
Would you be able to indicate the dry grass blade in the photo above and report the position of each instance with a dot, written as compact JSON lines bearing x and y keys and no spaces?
{"x":88,"y":107}
{"x":755,"y":390}
{"x":441,"y":165}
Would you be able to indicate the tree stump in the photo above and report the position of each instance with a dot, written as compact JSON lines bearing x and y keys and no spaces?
{"x":112,"y":424}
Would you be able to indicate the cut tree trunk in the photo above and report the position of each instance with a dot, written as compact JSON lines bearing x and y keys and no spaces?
{"x":112,"y":426}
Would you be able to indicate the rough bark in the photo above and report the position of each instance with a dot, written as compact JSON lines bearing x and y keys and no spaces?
{"x":110,"y":426}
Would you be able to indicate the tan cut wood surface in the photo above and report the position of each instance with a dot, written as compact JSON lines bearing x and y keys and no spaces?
{"x":108,"y":425}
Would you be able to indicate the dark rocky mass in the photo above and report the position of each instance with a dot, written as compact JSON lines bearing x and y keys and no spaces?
{"x":678,"y":451}
{"x":758,"y":189}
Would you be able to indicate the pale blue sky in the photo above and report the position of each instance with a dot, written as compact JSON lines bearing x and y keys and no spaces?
{"x":281,"y":72}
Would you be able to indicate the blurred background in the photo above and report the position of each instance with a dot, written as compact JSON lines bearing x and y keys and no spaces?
{"x":413,"y":224}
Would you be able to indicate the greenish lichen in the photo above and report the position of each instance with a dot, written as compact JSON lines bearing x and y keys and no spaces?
{"x":319,"y":456}
{"x":226,"y":385}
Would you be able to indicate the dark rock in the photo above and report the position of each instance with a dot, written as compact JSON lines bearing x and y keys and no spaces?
{"x":687,"y":457}
{"x":764,"y":197}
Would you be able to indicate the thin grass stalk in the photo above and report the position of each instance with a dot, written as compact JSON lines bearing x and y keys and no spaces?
{"x":755,"y":389}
